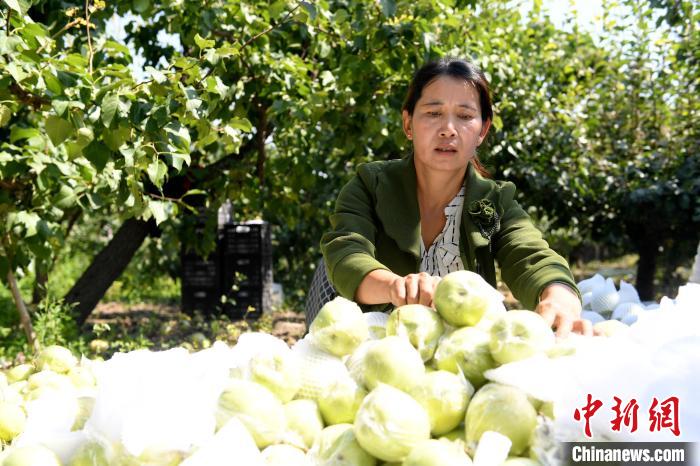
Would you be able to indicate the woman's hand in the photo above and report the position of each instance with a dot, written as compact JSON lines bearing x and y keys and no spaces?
{"x":382,"y":286}
{"x":560,"y":307}
{"x":414,"y":288}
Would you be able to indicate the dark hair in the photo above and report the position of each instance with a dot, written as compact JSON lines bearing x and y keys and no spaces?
{"x":455,"y":68}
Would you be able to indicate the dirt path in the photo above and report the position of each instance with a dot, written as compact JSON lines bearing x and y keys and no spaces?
{"x":161,"y":326}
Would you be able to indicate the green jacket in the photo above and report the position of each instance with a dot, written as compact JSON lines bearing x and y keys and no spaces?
{"x":376,"y":225}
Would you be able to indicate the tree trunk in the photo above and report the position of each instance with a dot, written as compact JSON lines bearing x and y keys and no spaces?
{"x":646,"y":269}
{"x":41,"y":277}
{"x":106,"y":267}
{"x":24,"y":318}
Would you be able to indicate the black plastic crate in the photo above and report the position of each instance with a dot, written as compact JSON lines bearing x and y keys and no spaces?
{"x":246,"y":264}
{"x":246,"y":270}
{"x":246,"y":238}
{"x":250,"y":276}
{"x":239,"y":301}
{"x":201,"y":282}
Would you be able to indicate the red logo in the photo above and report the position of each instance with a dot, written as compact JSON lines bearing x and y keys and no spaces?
{"x":662,"y":415}
{"x":588,"y":411}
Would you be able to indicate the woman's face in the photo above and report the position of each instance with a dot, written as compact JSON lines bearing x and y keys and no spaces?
{"x":446,"y":126}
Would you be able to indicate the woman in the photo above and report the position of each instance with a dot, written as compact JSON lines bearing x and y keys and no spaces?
{"x":400,"y":225}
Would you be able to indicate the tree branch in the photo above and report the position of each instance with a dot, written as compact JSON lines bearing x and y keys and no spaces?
{"x":260,"y":143}
{"x":28,"y":98}
{"x":24,"y":318}
{"x":59,"y":32}
{"x":224,"y":163}
{"x":10,"y":186}
{"x":285,"y":20}
{"x":91,"y":52}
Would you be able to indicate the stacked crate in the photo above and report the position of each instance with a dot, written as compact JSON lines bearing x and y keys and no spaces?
{"x":201,"y":276}
{"x":695,"y":271}
{"x":246,"y":268}
{"x":201,"y":282}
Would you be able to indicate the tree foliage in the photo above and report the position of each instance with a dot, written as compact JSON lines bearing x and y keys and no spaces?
{"x":273,"y":103}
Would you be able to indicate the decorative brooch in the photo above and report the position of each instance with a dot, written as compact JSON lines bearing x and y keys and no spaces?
{"x":484,"y":214}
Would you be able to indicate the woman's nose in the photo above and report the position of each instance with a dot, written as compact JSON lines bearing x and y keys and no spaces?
{"x":447,"y":129}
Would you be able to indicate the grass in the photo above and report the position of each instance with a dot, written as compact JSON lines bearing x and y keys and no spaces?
{"x":620,"y":268}
{"x":142,"y":311}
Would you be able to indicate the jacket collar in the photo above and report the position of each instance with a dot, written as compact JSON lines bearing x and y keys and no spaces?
{"x":397,"y":204}
{"x":476,"y":187}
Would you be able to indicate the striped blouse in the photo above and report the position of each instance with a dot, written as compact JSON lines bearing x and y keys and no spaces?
{"x":442,"y":257}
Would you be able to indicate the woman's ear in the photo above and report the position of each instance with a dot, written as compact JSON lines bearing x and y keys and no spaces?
{"x":484,"y":130}
{"x":408,"y":131}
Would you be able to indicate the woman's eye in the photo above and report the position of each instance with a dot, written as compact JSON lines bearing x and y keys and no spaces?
{"x":434,"y":113}
{"x":466,"y":117}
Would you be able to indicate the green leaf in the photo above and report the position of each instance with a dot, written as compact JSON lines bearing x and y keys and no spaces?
{"x":192,"y":105}
{"x":58,"y":129}
{"x":33,"y":33}
{"x":60,"y":106}
{"x":277,"y":8}
{"x":98,"y":154}
{"x":138,"y":112}
{"x":65,"y":198}
{"x":497,"y":123}
{"x":157,"y":208}
{"x":16,"y":71}
{"x":203,"y":43}
{"x":389,"y":8}
{"x":66,"y":78}
{"x":229,"y":51}
{"x":242,"y":124}
{"x":211,"y":56}
{"x":156,"y":173}
{"x":87,"y":173}
{"x":85,"y":137}
{"x":96,"y":200}
{"x":310,"y":9}
{"x":178,"y":136}
{"x":110,"y":104}
{"x":5,"y":115}
{"x":115,"y":138}
{"x":216,"y":86}
{"x":52,"y":83}
{"x":76,"y":61}
{"x":327,"y":78}
{"x":176,"y":160}
{"x":29,"y":220}
{"x":17,"y":133}
{"x":157,"y":75}
{"x":20,"y":6}
{"x":141,"y":6}
{"x":117,"y":47}
{"x":194,"y":192}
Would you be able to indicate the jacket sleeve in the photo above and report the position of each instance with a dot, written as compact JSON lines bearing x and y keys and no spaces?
{"x":349,"y":248}
{"x":527,"y":262}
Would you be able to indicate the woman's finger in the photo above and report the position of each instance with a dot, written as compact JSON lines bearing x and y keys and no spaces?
{"x":548,"y":313}
{"x":398,"y":292}
{"x":412,"y":282}
{"x":426,"y":289}
{"x":564,"y":324}
{"x":584,"y":327}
